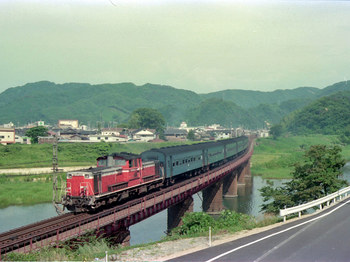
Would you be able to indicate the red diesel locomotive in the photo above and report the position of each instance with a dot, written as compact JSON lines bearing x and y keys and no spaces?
{"x":116,"y":177}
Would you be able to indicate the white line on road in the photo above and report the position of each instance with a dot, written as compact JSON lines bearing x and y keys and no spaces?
{"x":277,"y":233}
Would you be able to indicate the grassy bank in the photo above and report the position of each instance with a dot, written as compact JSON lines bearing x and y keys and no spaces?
{"x":25,"y":190}
{"x":275,"y":158}
{"x":25,"y":156}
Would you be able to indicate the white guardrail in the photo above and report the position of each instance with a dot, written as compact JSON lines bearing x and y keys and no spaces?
{"x":318,"y":202}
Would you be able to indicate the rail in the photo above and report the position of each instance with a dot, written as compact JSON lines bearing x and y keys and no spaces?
{"x":318,"y":202}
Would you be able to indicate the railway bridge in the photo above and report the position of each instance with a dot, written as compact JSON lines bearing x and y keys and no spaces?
{"x":116,"y":221}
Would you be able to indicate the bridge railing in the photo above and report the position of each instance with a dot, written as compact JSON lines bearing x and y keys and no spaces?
{"x":339,"y":195}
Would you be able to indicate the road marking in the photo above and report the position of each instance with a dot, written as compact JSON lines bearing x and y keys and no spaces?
{"x":277,"y":233}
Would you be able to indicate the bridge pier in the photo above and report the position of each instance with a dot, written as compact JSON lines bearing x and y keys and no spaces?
{"x":176,"y":212}
{"x":230,"y":185}
{"x":212,"y":198}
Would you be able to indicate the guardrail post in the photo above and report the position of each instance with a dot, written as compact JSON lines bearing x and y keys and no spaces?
{"x":299,"y":214}
{"x":320,"y":206}
{"x":210,"y":236}
{"x":284,"y":218}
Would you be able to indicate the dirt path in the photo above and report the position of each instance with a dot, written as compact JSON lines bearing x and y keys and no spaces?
{"x":38,"y":170}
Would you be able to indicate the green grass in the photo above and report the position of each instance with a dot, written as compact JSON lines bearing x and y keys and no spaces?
{"x":275,"y":158}
{"x":26,"y":190}
{"x":35,"y":155}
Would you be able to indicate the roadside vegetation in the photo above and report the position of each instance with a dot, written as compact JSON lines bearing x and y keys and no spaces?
{"x":319,"y":174}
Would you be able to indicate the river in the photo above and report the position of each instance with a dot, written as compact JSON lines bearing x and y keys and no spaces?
{"x":248,"y":201}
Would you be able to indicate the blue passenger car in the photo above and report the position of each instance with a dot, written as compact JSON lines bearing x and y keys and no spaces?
{"x":182,"y":159}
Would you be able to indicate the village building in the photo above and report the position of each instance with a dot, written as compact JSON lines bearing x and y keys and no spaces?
{"x":175,"y":134}
{"x":68,"y":123}
{"x":144,"y":135}
{"x":7,"y":135}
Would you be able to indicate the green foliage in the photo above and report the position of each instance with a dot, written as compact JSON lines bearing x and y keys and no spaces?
{"x":276,"y":158}
{"x":328,"y":115}
{"x":194,"y":223}
{"x":35,"y":132}
{"x":345,"y":136}
{"x":191,"y":135}
{"x":115,"y":102}
{"x":276,"y":131}
{"x":318,"y":176}
{"x":147,"y":118}
{"x":232,"y":221}
{"x":198,"y":223}
{"x":218,"y":111}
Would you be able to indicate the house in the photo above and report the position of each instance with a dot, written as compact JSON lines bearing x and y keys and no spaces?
{"x":111,"y":131}
{"x":175,"y":134}
{"x":144,"y":135}
{"x":68,"y":123}
{"x":7,"y":135}
{"x":22,"y":140}
{"x":107,"y":138}
{"x":46,"y":139}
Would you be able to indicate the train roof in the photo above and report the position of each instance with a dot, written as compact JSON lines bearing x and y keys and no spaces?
{"x":97,"y":169}
{"x":124,"y":155}
{"x":199,"y":146}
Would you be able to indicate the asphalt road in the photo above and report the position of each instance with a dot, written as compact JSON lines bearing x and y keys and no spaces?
{"x":322,"y":237}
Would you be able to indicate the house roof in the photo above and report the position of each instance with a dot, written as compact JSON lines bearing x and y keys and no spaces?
{"x":175,"y":131}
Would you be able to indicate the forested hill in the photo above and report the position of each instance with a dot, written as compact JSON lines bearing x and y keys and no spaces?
{"x":114,"y":102}
{"x":249,"y":99}
{"x":328,"y":115}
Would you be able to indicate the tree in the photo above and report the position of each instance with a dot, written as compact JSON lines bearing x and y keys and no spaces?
{"x":34,"y":132}
{"x":318,"y":176}
{"x":276,"y":131}
{"x":147,"y":118}
{"x":191,"y":135}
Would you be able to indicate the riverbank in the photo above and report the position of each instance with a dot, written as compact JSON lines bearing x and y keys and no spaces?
{"x":275,"y":159}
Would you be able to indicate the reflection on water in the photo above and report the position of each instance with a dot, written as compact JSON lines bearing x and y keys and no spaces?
{"x":249,"y":200}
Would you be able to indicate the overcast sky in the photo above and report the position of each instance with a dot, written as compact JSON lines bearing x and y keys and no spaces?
{"x":203,"y":46}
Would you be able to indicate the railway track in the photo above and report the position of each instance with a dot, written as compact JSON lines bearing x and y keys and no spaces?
{"x":45,"y":226}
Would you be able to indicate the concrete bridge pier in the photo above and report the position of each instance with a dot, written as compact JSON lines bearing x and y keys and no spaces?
{"x":176,"y":212}
{"x":212,"y":198}
{"x":230,"y":185}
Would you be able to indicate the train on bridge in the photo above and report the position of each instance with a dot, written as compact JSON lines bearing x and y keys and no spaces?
{"x":120,"y":176}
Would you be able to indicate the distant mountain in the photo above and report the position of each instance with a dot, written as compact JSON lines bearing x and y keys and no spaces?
{"x":114,"y":102}
{"x":107,"y":102}
{"x":248,"y":99}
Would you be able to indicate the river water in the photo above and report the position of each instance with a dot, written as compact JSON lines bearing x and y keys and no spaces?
{"x":248,"y":201}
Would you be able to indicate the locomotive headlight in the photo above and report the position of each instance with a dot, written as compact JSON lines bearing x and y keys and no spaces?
{"x":87,"y":176}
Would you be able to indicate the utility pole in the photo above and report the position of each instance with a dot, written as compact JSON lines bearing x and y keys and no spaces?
{"x":54,"y":156}
{"x":57,"y":188}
